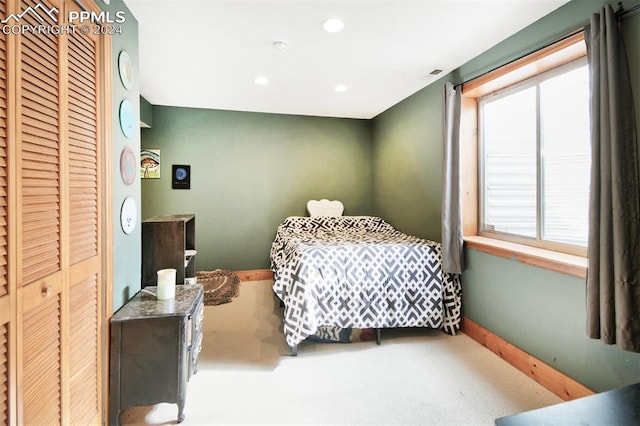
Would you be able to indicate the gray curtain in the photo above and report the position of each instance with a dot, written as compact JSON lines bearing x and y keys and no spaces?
{"x":613,"y":281}
{"x":452,"y":254}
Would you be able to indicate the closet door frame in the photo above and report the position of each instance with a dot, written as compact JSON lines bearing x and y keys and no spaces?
{"x":19,"y":297}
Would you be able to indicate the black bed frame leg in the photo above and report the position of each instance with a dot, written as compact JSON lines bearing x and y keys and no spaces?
{"x":377,"y":336}
{"x":294,"y":350}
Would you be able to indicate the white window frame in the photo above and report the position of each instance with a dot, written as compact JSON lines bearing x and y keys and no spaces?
{"x":538,"y":241}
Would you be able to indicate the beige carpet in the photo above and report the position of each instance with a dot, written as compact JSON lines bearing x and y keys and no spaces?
{"x":417,"y":376}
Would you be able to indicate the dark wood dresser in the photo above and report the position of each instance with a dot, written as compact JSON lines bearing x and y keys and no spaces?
{"x":154,"y":349}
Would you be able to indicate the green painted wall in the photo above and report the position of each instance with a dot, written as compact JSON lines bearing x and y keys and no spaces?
{"x":249,"y":171}
{"x":407,"y":164}
{"x":146,"y":113}
{"x":127,"y":256}
{"x":541,"y":311}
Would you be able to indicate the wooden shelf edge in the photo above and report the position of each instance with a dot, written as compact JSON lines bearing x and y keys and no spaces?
{"x":555,"y":381}
{"x":547,"y":259}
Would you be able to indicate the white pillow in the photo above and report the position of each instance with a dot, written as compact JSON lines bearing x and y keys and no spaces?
{"x":325,"y":207}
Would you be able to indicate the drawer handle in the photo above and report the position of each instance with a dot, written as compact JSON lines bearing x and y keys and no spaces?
{"x":46,"y":291}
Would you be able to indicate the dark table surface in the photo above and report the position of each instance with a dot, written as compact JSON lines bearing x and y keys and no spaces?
{"x":618,"y":407}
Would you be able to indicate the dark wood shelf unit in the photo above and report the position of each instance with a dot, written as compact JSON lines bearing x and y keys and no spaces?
{"x":165,"y":240}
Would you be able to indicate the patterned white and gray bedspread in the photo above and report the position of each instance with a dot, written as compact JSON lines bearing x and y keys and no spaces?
{"x":359,"y":271}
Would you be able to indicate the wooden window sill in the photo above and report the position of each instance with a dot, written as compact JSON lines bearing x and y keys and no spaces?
{"x":547,"y":259}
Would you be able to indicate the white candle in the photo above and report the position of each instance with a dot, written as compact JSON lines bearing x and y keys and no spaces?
{"x":166,"y":284}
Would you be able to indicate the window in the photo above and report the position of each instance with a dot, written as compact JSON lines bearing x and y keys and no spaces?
{"x":541,"y":148}
{"x":534,"y":160}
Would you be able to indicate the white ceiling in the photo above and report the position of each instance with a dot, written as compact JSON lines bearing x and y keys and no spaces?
{"x":206,"y":54}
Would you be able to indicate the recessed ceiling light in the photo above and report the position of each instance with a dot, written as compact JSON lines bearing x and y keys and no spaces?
{"x":333,"y":25}
{"x":261,"y":80}
{"x":341,"y":88}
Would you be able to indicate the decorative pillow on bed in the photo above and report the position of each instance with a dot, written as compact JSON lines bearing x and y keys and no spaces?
{"x":327,"y":334}
{"x":325,"y":207}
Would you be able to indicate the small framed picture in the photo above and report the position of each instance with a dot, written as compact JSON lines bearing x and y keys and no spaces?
{"x":181,"y":176}
{"x":150,"y":164}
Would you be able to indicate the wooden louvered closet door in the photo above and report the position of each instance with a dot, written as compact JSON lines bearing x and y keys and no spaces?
{"x":5,"y":298}
{"x":50,"y":346}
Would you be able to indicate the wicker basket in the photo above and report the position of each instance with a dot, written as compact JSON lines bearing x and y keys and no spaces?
{"x":220,"y":286}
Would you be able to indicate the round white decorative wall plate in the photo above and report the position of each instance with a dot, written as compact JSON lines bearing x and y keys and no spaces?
{"x":128,"y":215}
{"x":129,"y":168}
{"x":125,"y":69}
{"x":127,"y":118}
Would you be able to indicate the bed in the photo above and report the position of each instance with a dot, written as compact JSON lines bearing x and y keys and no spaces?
{"x":358,"y":272}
